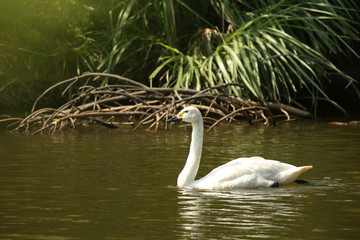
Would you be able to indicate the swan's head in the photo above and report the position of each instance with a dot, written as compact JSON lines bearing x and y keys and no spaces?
{"x":188,"y":114}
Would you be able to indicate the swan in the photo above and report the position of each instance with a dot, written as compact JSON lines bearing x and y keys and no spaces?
{"x":245,"y":172}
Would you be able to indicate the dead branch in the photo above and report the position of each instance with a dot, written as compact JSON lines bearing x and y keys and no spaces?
{"x":133,"y":103}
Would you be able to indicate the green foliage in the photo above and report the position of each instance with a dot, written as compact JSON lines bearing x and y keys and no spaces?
{"x":36,"y":45}
{"x":122,"y":44}
{"x":274,"y":49}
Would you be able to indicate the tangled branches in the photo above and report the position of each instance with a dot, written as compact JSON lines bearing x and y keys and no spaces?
{"x":133,"y":103}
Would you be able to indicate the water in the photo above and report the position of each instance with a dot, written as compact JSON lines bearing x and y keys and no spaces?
{"x":95,"y":183}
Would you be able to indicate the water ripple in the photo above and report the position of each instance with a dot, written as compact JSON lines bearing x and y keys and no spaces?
{"x":243,"y":211}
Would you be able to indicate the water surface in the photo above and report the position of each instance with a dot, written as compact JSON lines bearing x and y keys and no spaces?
{"x":95,"y":183}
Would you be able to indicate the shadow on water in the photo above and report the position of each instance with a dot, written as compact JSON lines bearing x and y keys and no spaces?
{"x":94,"y":183}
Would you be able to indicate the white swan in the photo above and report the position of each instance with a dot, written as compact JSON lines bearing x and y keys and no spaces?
{"x":238,"y":173}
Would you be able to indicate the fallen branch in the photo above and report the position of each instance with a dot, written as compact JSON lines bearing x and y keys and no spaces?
{"x":136,"y":104}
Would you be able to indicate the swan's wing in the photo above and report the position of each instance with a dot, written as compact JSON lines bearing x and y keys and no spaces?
{"x":249,"y":172}
{"x":245,"y":166}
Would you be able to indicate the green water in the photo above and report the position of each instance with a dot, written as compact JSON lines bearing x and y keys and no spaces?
{"x":95,"y":183}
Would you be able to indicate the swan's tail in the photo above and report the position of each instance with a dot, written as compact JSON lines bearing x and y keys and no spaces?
{"x":304,"y":169}
{"x":291,"y":174}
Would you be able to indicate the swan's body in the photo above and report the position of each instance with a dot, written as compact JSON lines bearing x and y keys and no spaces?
{"x":238,"y":173}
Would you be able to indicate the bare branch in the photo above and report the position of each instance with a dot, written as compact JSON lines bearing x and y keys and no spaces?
{"x":136,"y":104}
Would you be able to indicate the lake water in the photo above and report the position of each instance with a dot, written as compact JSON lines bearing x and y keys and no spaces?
{"x":95,"y":183}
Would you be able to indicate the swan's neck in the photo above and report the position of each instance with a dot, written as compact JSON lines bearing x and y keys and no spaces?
{"x":191,"y":168}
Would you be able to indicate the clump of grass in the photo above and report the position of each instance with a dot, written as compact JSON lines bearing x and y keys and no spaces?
{"x":273,"y":50}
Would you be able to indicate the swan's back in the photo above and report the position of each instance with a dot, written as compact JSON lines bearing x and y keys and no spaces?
{"x":250,"y":172}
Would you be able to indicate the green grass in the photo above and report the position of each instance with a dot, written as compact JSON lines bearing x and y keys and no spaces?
{"x":276,"y":50}
{"x":273,"y":51}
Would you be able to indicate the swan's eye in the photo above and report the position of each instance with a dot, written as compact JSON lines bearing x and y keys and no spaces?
{"x":186,"y":111}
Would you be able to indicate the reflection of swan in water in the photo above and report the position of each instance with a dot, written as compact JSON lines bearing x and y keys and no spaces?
{"x":239,"y":173}
{"x":241,"y":213}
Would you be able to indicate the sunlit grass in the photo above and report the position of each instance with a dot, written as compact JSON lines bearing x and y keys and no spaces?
{"x":274,"y":51}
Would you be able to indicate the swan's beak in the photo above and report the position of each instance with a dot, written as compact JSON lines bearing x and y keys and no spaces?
{"x":173,"y":119}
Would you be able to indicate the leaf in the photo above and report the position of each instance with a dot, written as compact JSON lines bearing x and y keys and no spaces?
{"x":171,"y":48}
{"x":159,"y":68}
